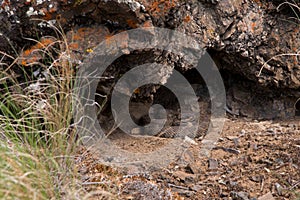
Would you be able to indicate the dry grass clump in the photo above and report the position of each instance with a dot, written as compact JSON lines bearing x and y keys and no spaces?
{"x":37,"y":145}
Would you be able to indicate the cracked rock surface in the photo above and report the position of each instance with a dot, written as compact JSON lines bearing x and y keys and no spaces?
{"x":258,"y":40}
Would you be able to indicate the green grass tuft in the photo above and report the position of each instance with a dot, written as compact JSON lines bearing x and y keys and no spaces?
{"x":37,"y":145}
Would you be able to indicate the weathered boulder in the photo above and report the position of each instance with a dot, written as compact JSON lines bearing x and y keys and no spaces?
{"x":254,"y":42}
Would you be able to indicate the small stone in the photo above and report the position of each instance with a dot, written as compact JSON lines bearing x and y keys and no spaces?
{"x":267,"y":196}
{"x":136,"y":131}
{"x":233,"y":183}
{"x":270,"y":130}
{"x":245,"y":54}
{"x":194,"y":168}
{"x":266,"y":161}
{"x":189,"y":140}
{"x":234,"y":162}
{"x":236,"y":142}
{"x":224,"y":194}
{"x":256,"y":179}
{"x":278,"y":188}
{"x":253,"y":146}
{"x":239,"y":195}
{"x":243,"y":195}
{"x":197,"y":188}
{"x":267,"y":170}
{"x":183,"y":192}
{"x":243,"y":132}
{"x":230,"y":150}
{"x":295,"y":166}
{"x":279,"y":161}
{"x":229,"y":137}
{"x":213,"y":164}
{"x":235,"y":139}
{"x":222,"y":182}
{"x":185,"y":177}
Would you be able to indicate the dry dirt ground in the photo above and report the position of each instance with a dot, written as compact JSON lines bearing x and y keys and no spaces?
{"x":252,"y":160}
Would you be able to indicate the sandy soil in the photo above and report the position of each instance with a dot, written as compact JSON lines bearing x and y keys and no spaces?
{"x":251,"y":160}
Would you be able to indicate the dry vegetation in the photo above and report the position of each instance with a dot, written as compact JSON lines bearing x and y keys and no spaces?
{"x":37,"y":144}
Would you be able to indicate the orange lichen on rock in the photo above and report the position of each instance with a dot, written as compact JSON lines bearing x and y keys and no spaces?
{"x":34,"y":53}
{"x":187,"y":19}
{"x":77,"y":36}
{"x":161,"y":7}
{"x":83,"y":38}
{"x":132,"y":23}
{"x":44,"y":42}
{"x":258,"y":2}
{"x":48,"y":16}
{"x":50,"y":12}
{"x":147,"y":24}
{"x":253,"y":25}
{"x":73,"y":45}
{"x":79,"y":42}
{"x":123,"y":38}
{"x":108,"y":39}
{"x":118,"y":41}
